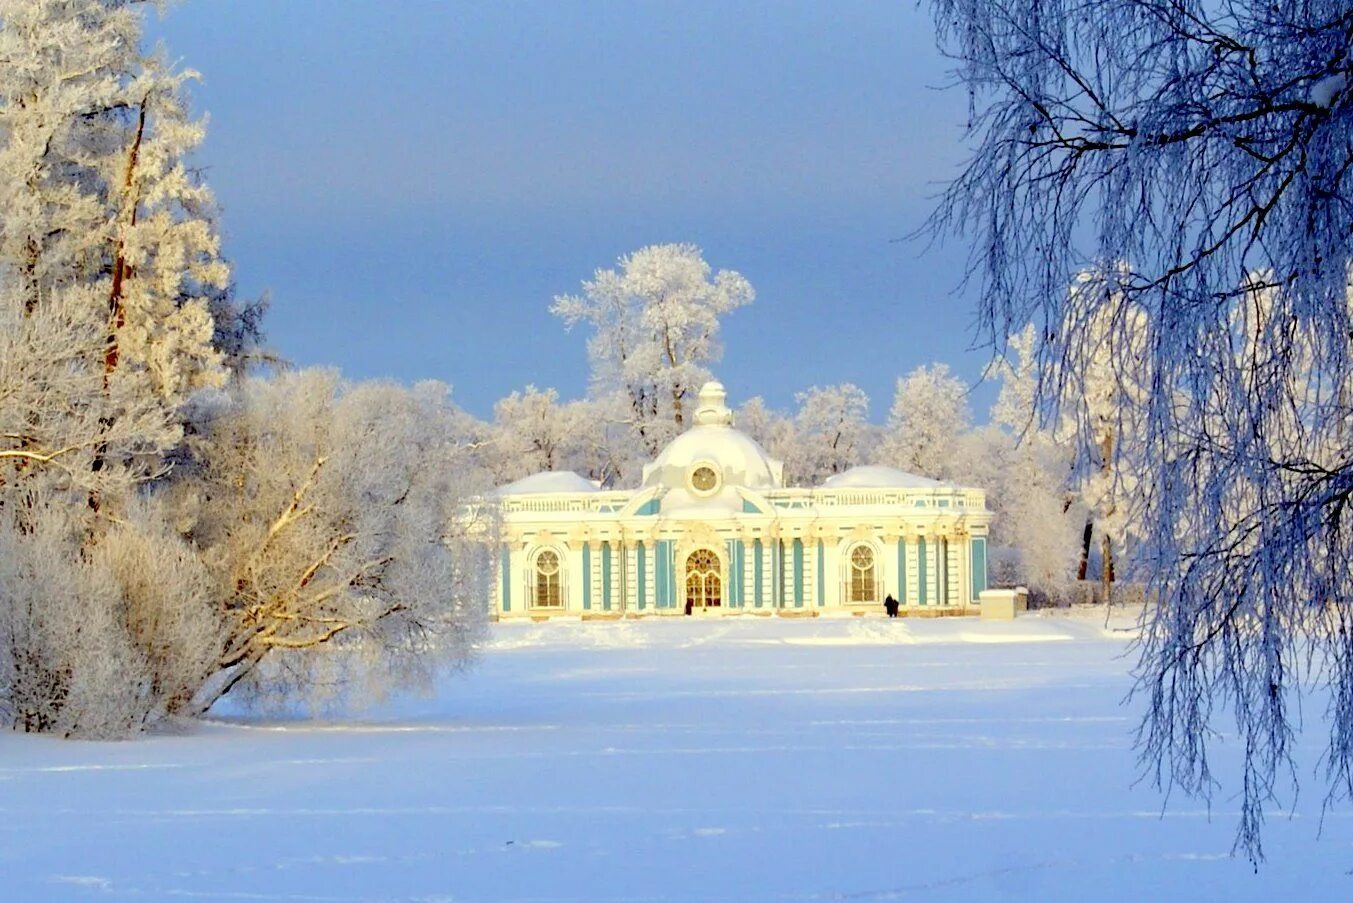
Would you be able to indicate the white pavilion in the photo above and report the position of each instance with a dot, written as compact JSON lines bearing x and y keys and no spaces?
{"x":712,"y":530}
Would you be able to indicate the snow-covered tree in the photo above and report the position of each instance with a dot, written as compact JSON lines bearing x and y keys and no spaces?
{"x":1106,"y":380}
{"x":832,"y":433}
{"x":655,"y":330}
{"x":928,"y":416}
{"x":115,"y":307}
{"x":1207,"y":145}
{"x":533,"y":431}
{"x":329,"y":516}
{"x":1038,"y":512}
{"x":772,"y":429}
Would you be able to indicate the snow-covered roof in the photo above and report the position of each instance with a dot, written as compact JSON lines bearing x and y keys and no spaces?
{"x":740,"y":459}
{"x":550,"y":481}
{"x":876,"y":476}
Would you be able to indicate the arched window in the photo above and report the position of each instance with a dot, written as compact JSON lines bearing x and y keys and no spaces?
{"x":548,"y":590}
{"x":704,"y":585}
{"x":862,"y":582}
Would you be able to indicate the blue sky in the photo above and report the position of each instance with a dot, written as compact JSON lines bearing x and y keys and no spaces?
{"x":414,"y":181}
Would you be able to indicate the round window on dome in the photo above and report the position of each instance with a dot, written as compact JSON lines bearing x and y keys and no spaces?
{"x":704,"y":479}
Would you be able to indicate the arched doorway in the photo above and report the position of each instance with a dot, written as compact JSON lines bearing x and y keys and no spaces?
{"x":704,"y":583}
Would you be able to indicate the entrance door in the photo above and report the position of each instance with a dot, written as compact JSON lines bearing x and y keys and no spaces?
{"x":704,"y":585}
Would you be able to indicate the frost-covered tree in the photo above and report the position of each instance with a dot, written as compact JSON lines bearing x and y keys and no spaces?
{"x":115,"y":307}
{"x":655,"y":330}
{"x":1038,"y":511}
{"x":1101,"y":416}
{"x":773,"y":430}
{"x":330,"y":518}
{"x":1207,"y":145}
{"x":532,"y":431}
{"x":928,"y":416}
{"x":832,"y":433}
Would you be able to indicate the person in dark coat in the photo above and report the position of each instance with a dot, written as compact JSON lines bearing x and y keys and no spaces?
{"x":890,"y":606}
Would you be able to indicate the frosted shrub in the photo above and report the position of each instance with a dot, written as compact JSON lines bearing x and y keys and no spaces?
{"x":66,"y":666}
{"x":168,"y":608}
{"x":327,"y":516}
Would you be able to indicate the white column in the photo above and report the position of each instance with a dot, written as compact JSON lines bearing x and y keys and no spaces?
{"x":617,"y":575}
{"x":952,"y":575}
{"x":964,"y":555}
{"x":932,"y":567}
{"x":767,"y":572}
{"x":831,"y":570}
{"x":594,"y":574}
{"x":913,"y":571}
{"x":574,"y":578}
{"x":631,"y":577}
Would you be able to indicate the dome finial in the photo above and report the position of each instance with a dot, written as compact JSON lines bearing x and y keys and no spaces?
{"x":711,"y":409}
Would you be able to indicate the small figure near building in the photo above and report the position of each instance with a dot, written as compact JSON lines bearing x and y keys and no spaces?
{"x":890,"y":606}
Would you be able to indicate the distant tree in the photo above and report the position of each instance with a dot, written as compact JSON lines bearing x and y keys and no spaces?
{"x":655,"y":329}
{"x":1208,"y":146}
{"x":1102,"y":415}
{"x":1038,"y":510}
{"x":772,"y":429}
{"x":928,"y":417}
{"x":532,"y":431}
{"x":832,"y":433}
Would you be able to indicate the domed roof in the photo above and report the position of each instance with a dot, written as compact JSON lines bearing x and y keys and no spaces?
{"x":549,"y":481}
{"x":736,"y":458}
{"x":876,"y":476}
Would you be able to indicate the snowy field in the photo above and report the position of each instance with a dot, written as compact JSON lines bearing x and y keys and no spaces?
{"x":747,"y":759}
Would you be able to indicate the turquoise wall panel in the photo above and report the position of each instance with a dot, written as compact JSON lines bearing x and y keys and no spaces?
{"x":902,"y":571}
{"x":587,"y":577}
{"x":659,"y":575}
{"x":757,"y":554}
{"x":665,"y":572}
{"x":979,"y":565}
{"x":506,"y":568}
{"x":641,"y":575}
{"x":921,"y":570}
{"x":798,"y":573}
{"x":648,"y":508}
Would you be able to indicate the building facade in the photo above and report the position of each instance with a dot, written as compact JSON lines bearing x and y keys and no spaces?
{"x":712,"y":530}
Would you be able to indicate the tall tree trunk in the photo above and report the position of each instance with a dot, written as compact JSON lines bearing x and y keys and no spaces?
{"x":1106,"y":568}
{"x":117,"y":314}
{"x":1086,"y":536}
{"x":1106,"y":545}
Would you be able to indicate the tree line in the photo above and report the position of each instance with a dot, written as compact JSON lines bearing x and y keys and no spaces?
{"x":1064,"y":507}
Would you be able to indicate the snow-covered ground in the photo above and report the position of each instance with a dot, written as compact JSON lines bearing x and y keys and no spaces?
{"x":745,"y":759}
